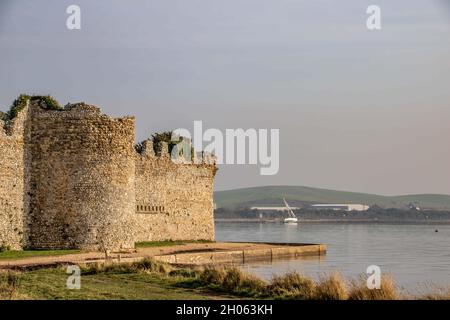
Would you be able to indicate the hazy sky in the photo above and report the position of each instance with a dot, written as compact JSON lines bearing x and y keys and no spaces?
{"x":357,"y":110}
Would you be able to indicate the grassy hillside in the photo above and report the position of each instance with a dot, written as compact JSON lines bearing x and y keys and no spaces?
{"x":296,"y":195}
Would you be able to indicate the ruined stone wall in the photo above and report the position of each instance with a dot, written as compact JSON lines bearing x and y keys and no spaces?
{"x":13,"y":185}
{"x":173,"y":201}
{"x":81,"y":179}
{"x":72,"y":179}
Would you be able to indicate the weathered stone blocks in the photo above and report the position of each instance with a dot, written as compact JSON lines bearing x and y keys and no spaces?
{"x":72,"y":179}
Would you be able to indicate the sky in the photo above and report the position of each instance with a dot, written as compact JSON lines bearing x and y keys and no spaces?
{"x":357,"y":110}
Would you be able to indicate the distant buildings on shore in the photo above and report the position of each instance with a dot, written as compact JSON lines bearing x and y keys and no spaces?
{"x":344,"y":207}
{"x":273,"y":208}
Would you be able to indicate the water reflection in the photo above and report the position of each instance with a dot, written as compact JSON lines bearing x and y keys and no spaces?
{"x":412,"y":253}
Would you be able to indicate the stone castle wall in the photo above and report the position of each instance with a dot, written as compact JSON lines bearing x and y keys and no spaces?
{"x":13,"y":185}
{"x":184,"y":210}
{"x":72,"y":179}
{"x":82,"y":179}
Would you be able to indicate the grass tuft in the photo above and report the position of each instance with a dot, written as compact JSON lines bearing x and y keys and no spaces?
{"x":146,"y":265}
{"x":239,"y":282}
{"x":9,"y":285}
{"x":232,"y":280}
{"x":212,"y":276}
{"x":183,"y":273}
{"x":437,"y":293}
{"x":387,"y":290}
{"x":292,"y":286}
{"x":332,"y":287}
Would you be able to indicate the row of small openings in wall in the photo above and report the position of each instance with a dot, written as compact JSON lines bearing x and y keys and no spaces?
{"x":150,"y":209}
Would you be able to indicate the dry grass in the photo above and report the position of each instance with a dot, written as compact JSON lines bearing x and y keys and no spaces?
{"x":232,"y":280}
{"x":434,"y":293}
{"x":239,"y":282}
{"x":387,"y":290}
{"x":332,"y":287}
{"x":292,"y":286}
{"x":229,"y":280}
{"x":213,"y":276}
{"x":147,"y":265}
{"x":436,"y":296}
{"x":9,"y":285}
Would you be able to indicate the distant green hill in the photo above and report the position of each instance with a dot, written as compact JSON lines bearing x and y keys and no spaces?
{"x":296,"y":195}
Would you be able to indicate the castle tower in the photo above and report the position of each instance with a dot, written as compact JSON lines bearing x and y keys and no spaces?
{"x":81,"y":179}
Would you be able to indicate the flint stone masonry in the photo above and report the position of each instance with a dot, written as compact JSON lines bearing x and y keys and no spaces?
{"x":13,"y":188}
{"x":72,"y":179}
{"x":186,"y":205}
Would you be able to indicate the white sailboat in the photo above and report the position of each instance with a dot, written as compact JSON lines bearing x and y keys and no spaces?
{"x":292,"y":218}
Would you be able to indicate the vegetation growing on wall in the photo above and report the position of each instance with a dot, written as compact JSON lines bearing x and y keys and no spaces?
{"x":139,"y":147}
{"x":159,"y":137}
{"x":16,"y":107}
{"x":47,"y":102}
{"x":166,"y":136}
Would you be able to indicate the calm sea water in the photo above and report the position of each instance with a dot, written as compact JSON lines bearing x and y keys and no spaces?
{"x":415,"y":254}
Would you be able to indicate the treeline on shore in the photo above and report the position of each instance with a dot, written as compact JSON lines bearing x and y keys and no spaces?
{"x":375,"y":214}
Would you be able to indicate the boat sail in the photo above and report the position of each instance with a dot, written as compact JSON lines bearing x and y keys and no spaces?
{"x":292,"y":218}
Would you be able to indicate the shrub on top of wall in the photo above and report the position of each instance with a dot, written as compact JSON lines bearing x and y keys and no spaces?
{"x":48,"y":103}
{"x":165,"y":136}
{"x":16,"y":107}
{"x":139,"y":147}
{"x":159,"y":137}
